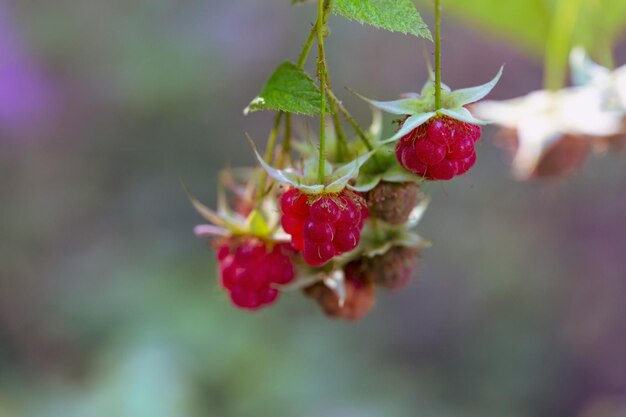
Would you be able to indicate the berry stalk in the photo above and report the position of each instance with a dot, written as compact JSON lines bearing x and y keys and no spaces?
{"x":438,"y":54}
{"x":350,"y":119}
{"x":269,"y":152}
{"x":323,"y":7}
{"x":342,"y":145}
{"x":308,"y":44}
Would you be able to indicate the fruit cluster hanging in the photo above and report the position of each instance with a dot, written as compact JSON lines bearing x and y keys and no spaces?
{"x":337,"y":219}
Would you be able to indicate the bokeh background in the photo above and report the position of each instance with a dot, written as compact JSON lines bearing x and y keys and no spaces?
{"x":109,"y":306}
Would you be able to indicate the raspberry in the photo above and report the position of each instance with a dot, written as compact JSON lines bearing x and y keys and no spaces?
{"x":360,"y":297}
{"x":440,"y":149}
{"x":408,"y":159}
{"x":248,"y":267}
{"x":465,"y":164}
{"x":330,"y":226}
{"x":393,"y":202}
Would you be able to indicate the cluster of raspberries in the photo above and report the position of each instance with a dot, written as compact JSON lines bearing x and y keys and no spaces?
{"x":324,"y":226}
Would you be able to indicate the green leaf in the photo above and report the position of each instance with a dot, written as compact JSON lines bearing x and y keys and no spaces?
{"x":393,"y":15}
{"x":288,"y":89}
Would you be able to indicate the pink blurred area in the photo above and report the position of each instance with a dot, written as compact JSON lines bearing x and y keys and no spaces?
{"x":28,"y":96}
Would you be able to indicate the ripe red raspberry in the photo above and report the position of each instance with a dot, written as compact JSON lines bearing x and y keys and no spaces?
{"x":248,"y":267}
{"x":440,"y":149}
{"x":323,"y":226}
{"x":360,"y":296}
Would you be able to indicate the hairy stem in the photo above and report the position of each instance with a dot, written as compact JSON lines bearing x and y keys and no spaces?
{"x":307,"y":46}
{"x":346,"y":114}
{"x":438,"y":54}
{"x":323,"y":7}
{"x":269,"y":153}
{"x":342,"y":144}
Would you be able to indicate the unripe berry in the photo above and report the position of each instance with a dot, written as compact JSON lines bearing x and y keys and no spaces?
{"x":360,"y":297}
{"x":392,"y":270}
{"x":393,"y":202}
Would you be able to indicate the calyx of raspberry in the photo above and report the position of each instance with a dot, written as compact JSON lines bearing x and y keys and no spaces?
{"x":384,"y":168}
{"x":420,"y":108}
{"x":243,"y":220}
{"x":379,"y":240}
{"x":307,"y":179}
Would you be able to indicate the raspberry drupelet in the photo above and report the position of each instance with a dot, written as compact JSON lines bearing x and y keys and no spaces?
{"x":323,"y":226}
{"x":249,"y":267}
{"x":440,"y":149}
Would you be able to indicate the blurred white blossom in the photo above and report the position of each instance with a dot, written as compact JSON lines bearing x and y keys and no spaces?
{"x":593,"y":109}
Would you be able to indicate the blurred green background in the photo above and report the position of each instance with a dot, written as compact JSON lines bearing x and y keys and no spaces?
{"x":109,"y":306}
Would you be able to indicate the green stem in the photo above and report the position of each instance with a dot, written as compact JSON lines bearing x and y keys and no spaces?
{"x":438,"y":54}
{"x":342,"y":144}
{"x":351,"y":121}
{"x":307,"y":46}
{"x":287,"y":143}
{"x":269,"y":153}
{"x":321,"y":70}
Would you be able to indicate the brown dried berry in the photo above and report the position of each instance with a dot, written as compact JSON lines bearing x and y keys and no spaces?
{"x":360,"y":297}
{"x":393,"y":202}
{"x":565,"y":156}
{"x":392,"y":270}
